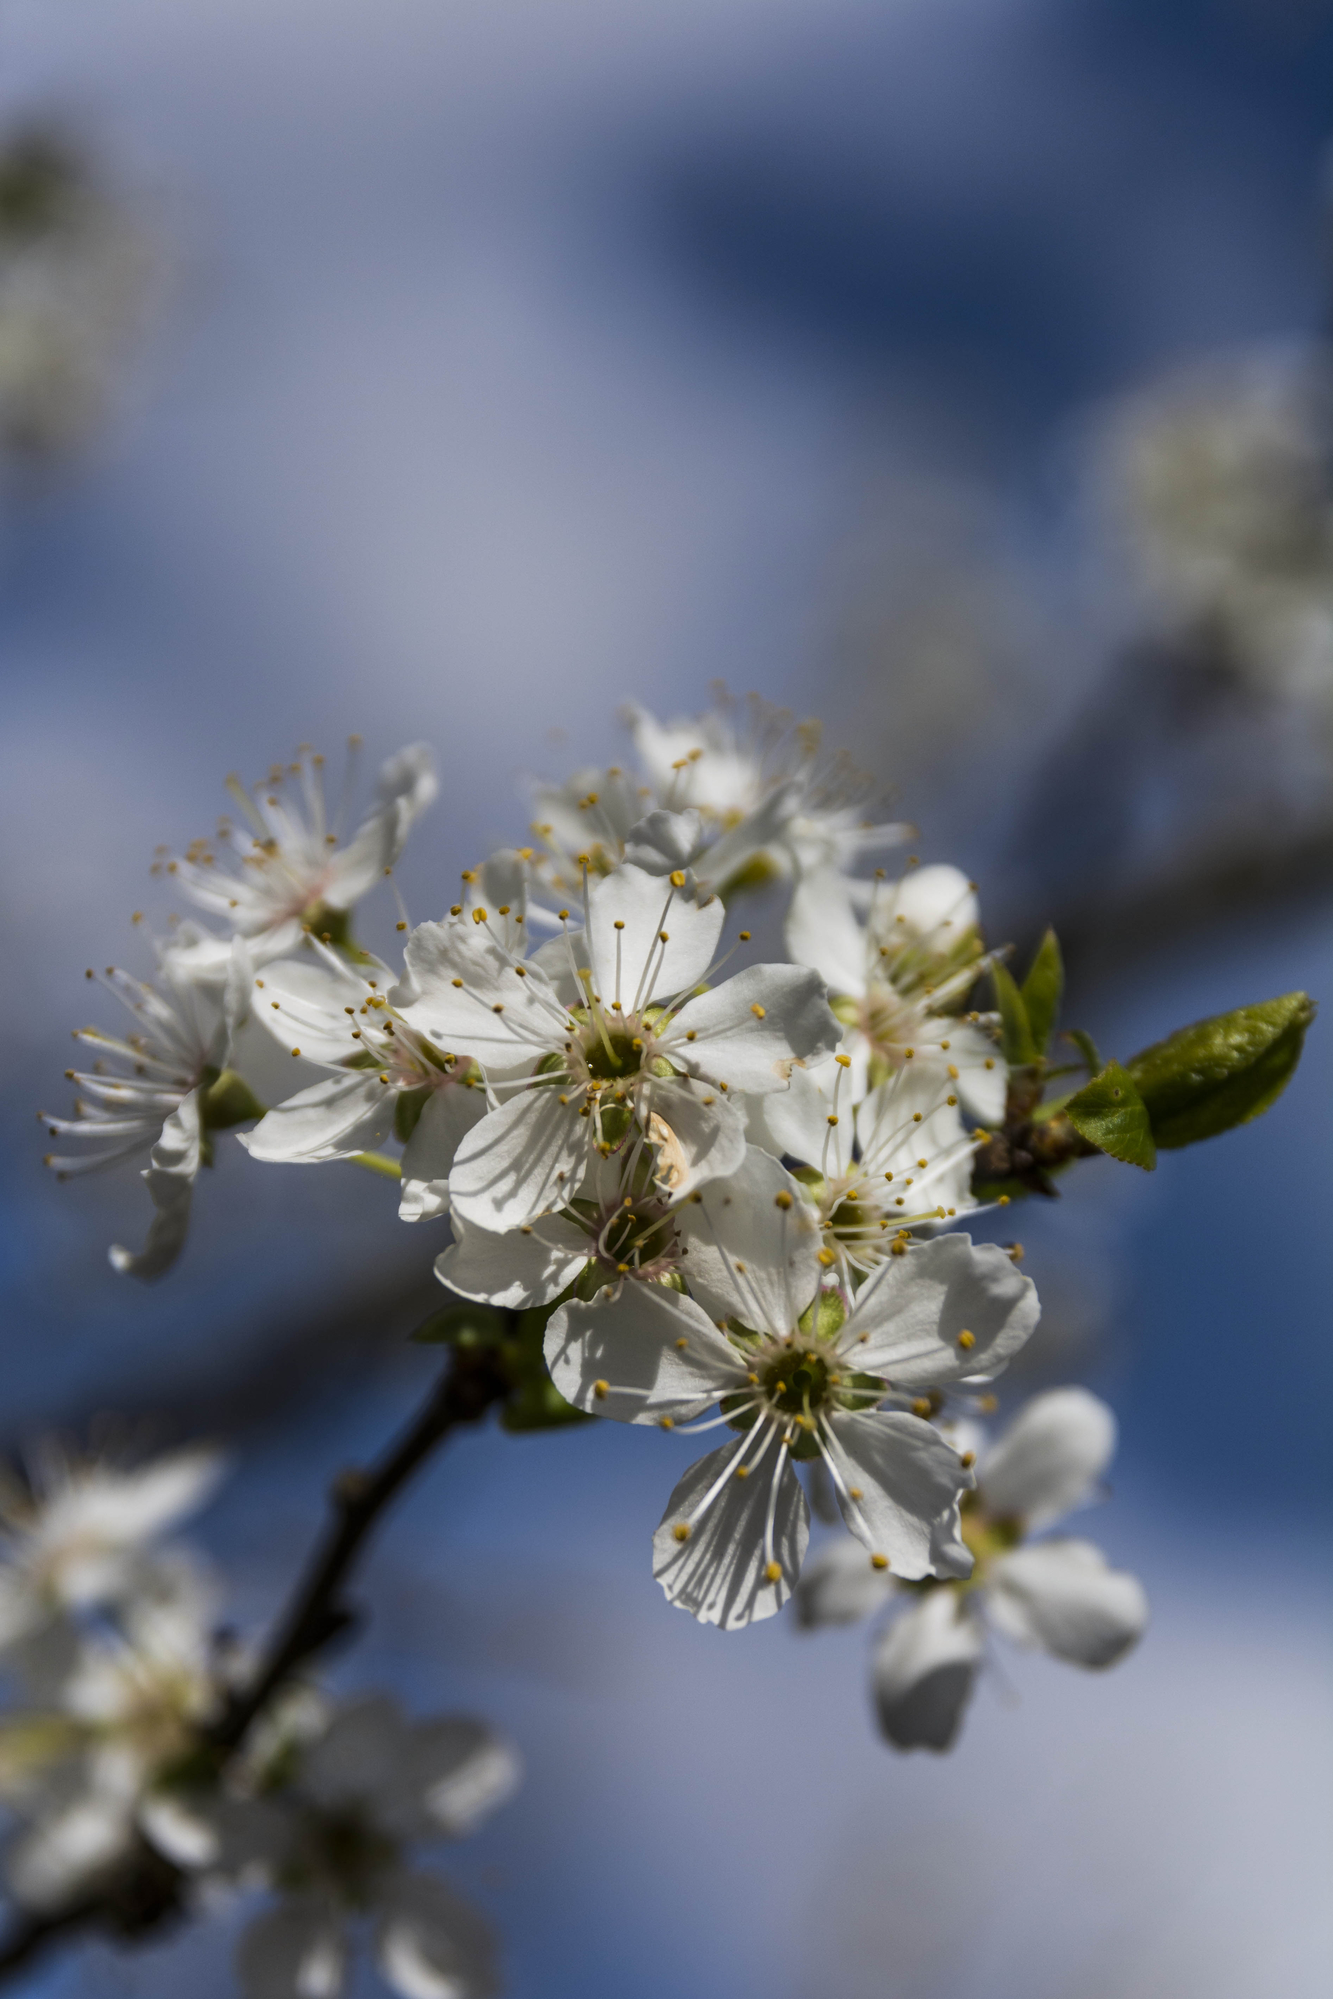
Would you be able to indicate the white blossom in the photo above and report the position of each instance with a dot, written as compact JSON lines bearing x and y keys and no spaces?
{"x":594,"y":1043}
{"x":798,"y":1377}
{"x":286,"y":870}
{"x":386,"y":1079}
{"x":146,"y":1094}
{"x":899,"y":976}
{"x":331,"y":1827}
{"x":1057,"y":1594}
{"x":73,"y":1533}
{"x":900,"y":1161}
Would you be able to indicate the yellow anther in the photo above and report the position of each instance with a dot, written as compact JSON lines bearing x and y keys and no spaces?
{"x":618,"y":925}
{"x":773,"y":1572}
{"x":622,"y":1269}
{"x":521,"y":971}
{"x":669,"y":1423}
{"x":953,"y":1073}
{"x":681,"y":1345}
{"x":844,"y":1061}
{"x":757,"y":1010}
{"x":680,"y":1531}
{"x":967,"y":1341}
{"x":455,"y":909}
{"x":275,"y":1006}
{"x":832,"y":1118}
{"x":744,"y":936}
{"x":1003,"y":1201}
{"x":897,"y":1249}
{"x":826,"y":1257}
{"x":690,"y":1034}
{"x":989,"y":1063}
{"x":456,"y":982}
{"x":916,"y":1117}
{"x":753,"y":1380}
{"x":296,"y":1051}
{"x":1015,"y":1250}
{"x":967,"y":1460}
{"x":601,"y":1389}
{"x":782,"y":1200}
{"x":400,"y":926}
{"x":504,"y":909}
{"x":636,"y":1045}
{"x":854,"y":1492}
{"x":562,"y":916}
{"x":677,"y":878}
{"x":498,"y":1007}
{"x":468,"y":875}
{"x":742,"y":1471}
{"x":879,"y":1561}
{"x":479,"y":914}
{"x":921,"y":1407}
{"x":951,"y":1101}
{"x":383,"y":1077}
{"x":908,"y":1053}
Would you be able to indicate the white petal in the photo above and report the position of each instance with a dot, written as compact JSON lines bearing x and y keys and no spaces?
{"x":335,"y":1119}
{"x":632,"y":964}
{"x":797,"y":1119}
{"x":433,"y":1945}
{"x":916,"y":1309}
{"x":303,"y":1005}
{"x":1061,"y":1595}
{"x":750,"y":1031}
{"x":647,"y":1354}
{"x":664,"y":841}
{"x":719,"y":1573}
{"x":462,"y":1771}
{"x":748,"y":1256}
{"x":293,"y":1952}
{"x":983,"y":1078}
{"x":447,"y":1116}
{"x":698,"y":1134}
{"x":361,"y":1753}
{"x":169,"y":1178}
{"x":354,"y":870}
{"x":1050,"y":1458}
{"x":408,"y":778}
{"x":525,"y":1267}
{"x":462,"y":1018}
{"x":522,"y":1159}
{"x":823,"y":932}
{"x":839,"y":1586}
{"x":924,"y":1669}
{"x":898,"y":1476}
{"x":938,"y":905}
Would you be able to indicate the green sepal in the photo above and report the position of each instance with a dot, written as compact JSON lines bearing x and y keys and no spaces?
{"x":534,"y":1402}
{"x":1086,"y":1047}
{"x":1223,"y":1071}
{"x":1110,"y":1114}
{"x":1016,"y":1029}
{"x":227,"y":1100}
{"x":1042,"y":991}
{"x":407,"y":1110}
{"x":757,"y":872}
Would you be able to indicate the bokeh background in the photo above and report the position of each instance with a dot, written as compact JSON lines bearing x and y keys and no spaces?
{"x":461,"y":371}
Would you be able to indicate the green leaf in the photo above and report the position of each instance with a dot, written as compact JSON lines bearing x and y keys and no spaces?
{"x":462,"y":1325}
{"x":1019,"y":1047}
{"x":1221,"y":1072}
{"x":1086,"y":1047}
{"x":1110,"y":1114}
{"x":1042,"y":991}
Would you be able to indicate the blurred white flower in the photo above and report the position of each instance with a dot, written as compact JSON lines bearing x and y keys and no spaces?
{"x":1224,"y":476}
{"x":899,"y":976}
{"x":330,"y":1825}
{"x":73,"y":1535}
{"x":1058,"y":1595}
{"x":81,"y":1770}
{"x":801,"y":1381}
{"x":145,"y":1094}
{"x":286,"y":871}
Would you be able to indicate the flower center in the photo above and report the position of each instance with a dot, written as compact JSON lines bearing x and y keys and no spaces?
{"x":633,"y":1238}
{"x":612,"y":1054}
{"x":798,"y":1382}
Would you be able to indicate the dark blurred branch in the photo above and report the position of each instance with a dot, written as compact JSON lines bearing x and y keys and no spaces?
{"x":144,"y":1890}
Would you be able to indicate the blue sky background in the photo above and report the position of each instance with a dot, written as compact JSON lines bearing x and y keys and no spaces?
{"x":516,"y":361}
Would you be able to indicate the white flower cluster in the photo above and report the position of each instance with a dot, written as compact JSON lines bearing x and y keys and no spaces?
{"x":113,"y":1648}
{"x":730,"y":1191}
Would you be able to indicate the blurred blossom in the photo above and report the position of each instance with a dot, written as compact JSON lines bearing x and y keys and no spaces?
{"x":74,"y":274}
{"x":1223,"y":476}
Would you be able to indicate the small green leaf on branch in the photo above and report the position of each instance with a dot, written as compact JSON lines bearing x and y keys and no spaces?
{"x":1221,"y":1072}
{"x":1016,"y":1029}
{"x":1042,"y":991}
{"x":1086,"y":1047}
{"x":1110,"y":1114}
